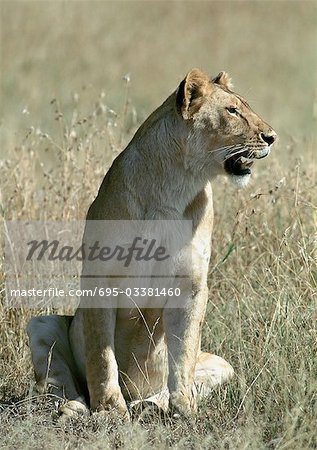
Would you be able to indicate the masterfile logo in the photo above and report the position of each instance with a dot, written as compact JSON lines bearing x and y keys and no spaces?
{"x":47,"y":262}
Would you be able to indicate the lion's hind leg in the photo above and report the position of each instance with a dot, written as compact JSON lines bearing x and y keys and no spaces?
{"x":211,"y":370}
{"x":54,"y":366}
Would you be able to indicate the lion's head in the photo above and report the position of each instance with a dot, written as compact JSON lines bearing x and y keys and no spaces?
{"x":224,"y":129}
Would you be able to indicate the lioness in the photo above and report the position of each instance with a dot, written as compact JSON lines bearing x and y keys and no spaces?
{"x":104,"y":358}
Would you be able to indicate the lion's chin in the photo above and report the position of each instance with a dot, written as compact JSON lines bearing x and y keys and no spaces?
{"x":240,"y":181}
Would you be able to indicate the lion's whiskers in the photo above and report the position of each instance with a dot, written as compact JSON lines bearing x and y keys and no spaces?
{"x":237,"y":152}
{"x":222,"y":149}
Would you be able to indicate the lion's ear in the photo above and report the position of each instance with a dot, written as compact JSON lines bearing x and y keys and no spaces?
{"x":224,"y":80}
{"x":191,"y":93}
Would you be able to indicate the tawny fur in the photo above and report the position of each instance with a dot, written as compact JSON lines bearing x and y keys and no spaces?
{"x":164,"y":173}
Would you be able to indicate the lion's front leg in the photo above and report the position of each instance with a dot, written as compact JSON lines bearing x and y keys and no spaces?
{"x":101,"y":365}
{"x":183,"y":330}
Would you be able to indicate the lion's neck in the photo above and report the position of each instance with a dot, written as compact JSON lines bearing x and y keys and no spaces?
{"x":170,"y":179}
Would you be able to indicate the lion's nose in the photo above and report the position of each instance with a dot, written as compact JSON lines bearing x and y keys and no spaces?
{"x":268,"y":138}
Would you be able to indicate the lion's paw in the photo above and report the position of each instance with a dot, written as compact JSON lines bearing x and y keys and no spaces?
{"x":114,"y":404}
{"x":72,"y":409}
{"x":181,"y":405}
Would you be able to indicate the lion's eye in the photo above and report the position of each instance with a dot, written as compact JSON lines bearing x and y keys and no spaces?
{"x":233,"y":110}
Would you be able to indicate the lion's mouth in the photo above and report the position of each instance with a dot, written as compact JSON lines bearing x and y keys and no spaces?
{"x":240,"y":164}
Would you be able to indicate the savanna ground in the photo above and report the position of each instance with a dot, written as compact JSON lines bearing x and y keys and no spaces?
{"x":66,"y":114}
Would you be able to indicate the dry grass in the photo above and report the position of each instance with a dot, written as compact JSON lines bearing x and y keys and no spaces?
{"x":262,"y":309}
{"x":261,"y":314}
